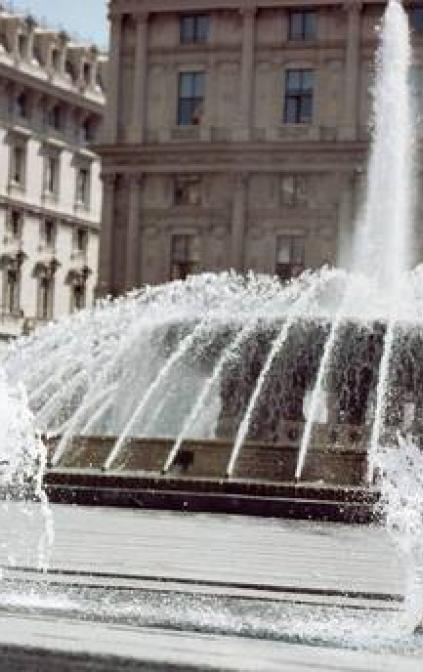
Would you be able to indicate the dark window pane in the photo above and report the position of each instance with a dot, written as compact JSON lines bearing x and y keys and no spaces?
{"x":291,"y":110}
{"x":191,"y":98}
{"x":307,"y":81}
{"x":416,"y":19}
{"x":293,"y":80}
{"x":185,"y":111}
{"x":297,"y":250}
{"x":296,"y":26}
{"x":187,"y":29}
{"x":203,"y":23}
{"x":194,"y":28}
{"x":306,"y":113}
{"x":309,"y":25}
{"x":302,"y":25}
{"x":198,"y":85}
{"x":185,"y":84}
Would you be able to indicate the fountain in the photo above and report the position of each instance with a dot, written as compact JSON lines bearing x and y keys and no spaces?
{"x":235,"y":383}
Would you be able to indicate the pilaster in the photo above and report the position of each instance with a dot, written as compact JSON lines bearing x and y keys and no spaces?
{"x":132,"y":278}
{"x":349,"y":127}
{"x":239,"y":218}
{"x":112,"y":107}
{"x":247,"y":72}
{"x":140,"y":79}
{"x":106,"y":239}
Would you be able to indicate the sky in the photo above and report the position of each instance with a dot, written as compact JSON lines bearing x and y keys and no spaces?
{"x":83,"y":18}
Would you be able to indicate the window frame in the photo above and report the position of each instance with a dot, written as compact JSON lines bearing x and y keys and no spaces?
{"x":416,"y":25}
{"x":83,"y":196}
{"x":49,"y":232}
{"x":304,"y":34}
{"x":302,"y":97}
{"x":186,"y":181}
{"x":299,"y":186}
{"x":296,"y":265}
{"x":80,"y":241}
{"x":45,"y":297}
{"x":15,"y":224}
{"x":80,"y":286}
{"x":190,"y":108}
{"x":51,"y":182}
{"x":194,"y":28}
{"x":17,"y":178}
{"x":181,"y":266}
{"x":12,"y":298}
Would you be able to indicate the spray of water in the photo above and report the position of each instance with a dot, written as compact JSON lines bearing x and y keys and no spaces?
{"x":23,"y":459}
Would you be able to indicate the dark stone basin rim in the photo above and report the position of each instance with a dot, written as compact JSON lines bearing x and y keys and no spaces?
{"x":269,"y":588}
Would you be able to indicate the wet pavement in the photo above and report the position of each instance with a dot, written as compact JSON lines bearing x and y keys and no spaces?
{"x":170,"y":591}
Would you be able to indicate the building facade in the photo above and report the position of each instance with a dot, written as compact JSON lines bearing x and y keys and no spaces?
{"x":237,"y":134}
{"x":51,"y":110}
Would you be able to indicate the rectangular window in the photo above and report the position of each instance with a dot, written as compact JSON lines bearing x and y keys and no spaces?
{"x":15,"y":224}
{"x":289,"y":256}
{"x":184,"y":256}
{"x":83,"y":179}
{"x":416,"y":19}
{"x":49,"y":233}
{"x":22,"y":106}
{"x":190,"y":98}
{"x":45,"y":298}
{"x":187,"y":191}
{"x":294,"y":190}
{"x":78,"y":296}
{"x":12,"y":291}
{"x":81,"y":240}
{"x":51,"y":174}
{"x":299,"y":85}
{"x":194,"y":28}
{"x":18,"y":161}
{"x":302,"y":24}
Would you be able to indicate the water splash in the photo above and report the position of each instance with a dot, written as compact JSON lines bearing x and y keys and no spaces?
{"x":400,"y":470}
{"x":23,"y":459}
{"x":383,"y":245}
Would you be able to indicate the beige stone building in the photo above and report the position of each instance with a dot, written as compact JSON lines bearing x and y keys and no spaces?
{"x":237,"y":134}
{"x":51,"y":109}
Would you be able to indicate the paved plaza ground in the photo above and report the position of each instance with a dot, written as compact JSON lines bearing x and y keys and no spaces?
{"x":140,"y":590}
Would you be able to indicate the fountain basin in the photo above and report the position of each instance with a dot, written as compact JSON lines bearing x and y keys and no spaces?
{"x":333,"y":485}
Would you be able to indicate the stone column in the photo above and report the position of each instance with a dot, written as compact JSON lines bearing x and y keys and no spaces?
{"x":211,"y":97}
{"x":346,"y":221}
{"x":247,"y":73}
{"x":112,"y":108}
{"x":352,"y":70}
{"x":132,"y":278}
{"x":140,"y":79}
{"x":105,"y":275}
{"x":239,"y":218}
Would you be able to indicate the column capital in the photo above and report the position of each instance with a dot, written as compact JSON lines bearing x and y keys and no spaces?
{"x":108,"y":179}
{"x":141,"y":17}
{"x":135,"y":179}
{"x":353,"y":6}
{"x":248,"y":12}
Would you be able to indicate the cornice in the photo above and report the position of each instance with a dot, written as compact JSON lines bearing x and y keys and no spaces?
{"x":65,"y":218}
{"x":46,"y":88}
{"x":313,"y":157}
{"x":155,"y":7}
